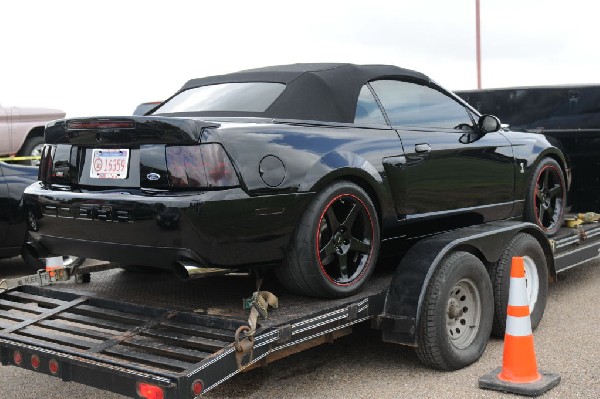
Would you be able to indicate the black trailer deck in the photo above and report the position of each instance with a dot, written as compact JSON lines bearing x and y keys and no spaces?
{"x":124,"y":328}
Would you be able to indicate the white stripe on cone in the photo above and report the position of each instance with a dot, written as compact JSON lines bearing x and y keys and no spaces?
{"x":518,"y":326}
{"x":54,"y":262}
{"x":517,"y":292}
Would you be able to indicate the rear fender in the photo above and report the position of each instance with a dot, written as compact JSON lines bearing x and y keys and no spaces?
{"x":406,"y":294}
{"x":339,"y":165}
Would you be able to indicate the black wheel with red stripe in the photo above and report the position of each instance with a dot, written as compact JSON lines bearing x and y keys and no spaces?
{"x":335,"y":246}
{"x":546,"y":197}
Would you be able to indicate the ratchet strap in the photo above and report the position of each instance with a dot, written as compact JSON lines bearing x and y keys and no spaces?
{"x":588,"y":217}
{"x":258,"y":304}
{"x":41,"y":278}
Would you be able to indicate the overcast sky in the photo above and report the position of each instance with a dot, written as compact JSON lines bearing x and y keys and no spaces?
{"x":104,"y":57}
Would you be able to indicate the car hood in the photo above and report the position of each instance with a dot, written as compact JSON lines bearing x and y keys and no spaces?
{"x":42,"y":113}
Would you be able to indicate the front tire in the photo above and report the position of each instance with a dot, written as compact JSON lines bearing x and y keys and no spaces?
{"x":334,"y":248}
{"x":546,"y":197}
{"x":456,"y":315}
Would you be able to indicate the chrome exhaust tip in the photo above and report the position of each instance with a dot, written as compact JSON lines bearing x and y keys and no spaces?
{"x":192,"y":269}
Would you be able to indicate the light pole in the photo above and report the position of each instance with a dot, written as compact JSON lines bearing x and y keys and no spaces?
{"x":478,"y":43}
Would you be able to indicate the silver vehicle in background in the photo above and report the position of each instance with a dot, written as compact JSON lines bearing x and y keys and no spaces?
{"x":22,"y":129}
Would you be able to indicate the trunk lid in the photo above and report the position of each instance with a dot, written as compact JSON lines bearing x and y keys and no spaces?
{"x":128,"y":130}
{"x":121,"y":152}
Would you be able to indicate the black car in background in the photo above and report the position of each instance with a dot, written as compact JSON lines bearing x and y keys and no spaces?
{"x":15,"y":218}
{"x":306,"y":168}
{"x":13,"y":214}
{"x":568,"y":114}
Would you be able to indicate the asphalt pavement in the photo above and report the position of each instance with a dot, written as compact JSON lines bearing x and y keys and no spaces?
{"x":362,"y":366}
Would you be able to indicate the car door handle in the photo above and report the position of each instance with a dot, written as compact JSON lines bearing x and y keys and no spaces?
{"x":421,"y":148}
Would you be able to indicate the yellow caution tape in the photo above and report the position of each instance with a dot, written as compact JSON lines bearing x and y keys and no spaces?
{"x":31,"y":158}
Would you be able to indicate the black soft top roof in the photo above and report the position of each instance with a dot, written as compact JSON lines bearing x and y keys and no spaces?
{"x":320,"y":92}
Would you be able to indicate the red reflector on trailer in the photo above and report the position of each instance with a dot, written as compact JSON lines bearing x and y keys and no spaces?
{"x":78,"y":125}
{"x":197,"y":387}
{"x":53,"y":366}
{"x":35,"y":361}
{"x":149,"y":391}
{"x":18,"y":358}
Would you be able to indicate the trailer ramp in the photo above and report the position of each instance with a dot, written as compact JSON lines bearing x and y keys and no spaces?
{"x":126,"y":347}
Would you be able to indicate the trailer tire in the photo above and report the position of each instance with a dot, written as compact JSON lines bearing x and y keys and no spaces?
{"x":335,"y":245}
{"x":536,"y":277}
{"x":456,"y":315}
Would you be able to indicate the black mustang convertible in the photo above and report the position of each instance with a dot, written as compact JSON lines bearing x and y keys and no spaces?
{"x":307,"y":168}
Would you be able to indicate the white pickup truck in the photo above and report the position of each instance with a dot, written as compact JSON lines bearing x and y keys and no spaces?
{"x":22,"y":129}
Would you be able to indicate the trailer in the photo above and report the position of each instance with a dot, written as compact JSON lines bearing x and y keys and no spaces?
{"x":148,"y":337}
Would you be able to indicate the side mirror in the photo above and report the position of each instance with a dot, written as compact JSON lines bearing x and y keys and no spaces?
{"x":488,"y":124}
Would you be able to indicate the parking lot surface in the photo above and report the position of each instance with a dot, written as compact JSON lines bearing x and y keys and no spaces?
{"x":362,"y":366}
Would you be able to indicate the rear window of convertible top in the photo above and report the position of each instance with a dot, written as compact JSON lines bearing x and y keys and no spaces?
{"x":224,"y":97}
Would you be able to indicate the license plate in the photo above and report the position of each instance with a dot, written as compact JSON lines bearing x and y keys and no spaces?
{"x":109,"y":163}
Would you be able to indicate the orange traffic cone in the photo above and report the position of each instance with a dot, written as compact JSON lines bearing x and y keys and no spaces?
{"x":54,"y":263}
{"x":518,"y":362}
{"x":519,"y":373}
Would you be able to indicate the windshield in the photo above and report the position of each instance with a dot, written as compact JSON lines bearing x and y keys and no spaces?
{"x":224,"y":97}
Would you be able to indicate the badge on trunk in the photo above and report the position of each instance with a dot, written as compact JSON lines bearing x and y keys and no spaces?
{"x":153,"y":176}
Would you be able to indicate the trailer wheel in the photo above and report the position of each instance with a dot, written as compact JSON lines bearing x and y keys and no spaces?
{"x":546,"y":197}
{"x":536,"y":278}
{"x":335,"y":245}
{"x":456,"y":315}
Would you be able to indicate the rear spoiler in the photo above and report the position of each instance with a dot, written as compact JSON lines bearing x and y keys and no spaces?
{"x":138,"y":129}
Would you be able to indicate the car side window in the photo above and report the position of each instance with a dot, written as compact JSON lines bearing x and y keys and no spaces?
{"x":367,"y":109}
{"x":415,"y":105}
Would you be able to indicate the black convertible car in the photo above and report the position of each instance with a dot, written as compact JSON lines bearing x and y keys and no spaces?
{"x":308,"y":168}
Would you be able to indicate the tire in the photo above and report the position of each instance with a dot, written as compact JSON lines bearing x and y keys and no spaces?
{"x":335,"y":245}
{"x":458,"y":295}
{"x":546,"y":197}
{"x":536,"y":277}
{"x":33,"y":147}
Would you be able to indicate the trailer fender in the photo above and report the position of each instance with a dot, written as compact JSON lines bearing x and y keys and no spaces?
{"x":406,"y":294}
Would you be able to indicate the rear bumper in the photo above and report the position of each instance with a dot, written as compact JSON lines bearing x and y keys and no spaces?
{"x":225,"y":229}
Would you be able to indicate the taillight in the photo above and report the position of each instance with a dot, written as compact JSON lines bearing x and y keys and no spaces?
{"x":205,"y":165}
{"x":149,"y":391}
{"x":53,"y":366}
{"x":99,"y":124}
{"x":197,"y":387}
{"x":46,"y":163}
{"x":35,"y":362}
{"x":18,"y":358}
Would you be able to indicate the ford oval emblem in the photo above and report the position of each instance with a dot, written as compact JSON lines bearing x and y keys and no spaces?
{"x":153,"y":176}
